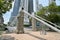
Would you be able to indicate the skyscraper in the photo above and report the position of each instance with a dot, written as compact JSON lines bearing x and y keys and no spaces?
{"x":28,"y":5}
{"x":33,"y":6}
{"x":15,"y":9}
{"x":17,"y":5}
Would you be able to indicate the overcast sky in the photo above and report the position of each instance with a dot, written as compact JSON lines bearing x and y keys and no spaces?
{"x":43,"y":2}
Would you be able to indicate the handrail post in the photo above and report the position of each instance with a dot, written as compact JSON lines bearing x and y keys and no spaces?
{"x":20,"y":26}
{"x":43,"y":28}
{"x":34,"y":23}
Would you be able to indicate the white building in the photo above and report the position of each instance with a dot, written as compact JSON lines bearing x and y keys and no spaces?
{"x":14,"y":13}
{"x":35,"y":5}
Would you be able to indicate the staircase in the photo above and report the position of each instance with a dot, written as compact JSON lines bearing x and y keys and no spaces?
{"x":54,"y":25}
{"x":45,"y":22}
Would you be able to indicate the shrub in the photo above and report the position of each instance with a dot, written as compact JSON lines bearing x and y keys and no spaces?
{"x":55,"y":18}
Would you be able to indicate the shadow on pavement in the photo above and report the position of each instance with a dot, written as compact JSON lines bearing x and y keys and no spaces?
{"x":36,"y":36}
{"x":6,"y":37}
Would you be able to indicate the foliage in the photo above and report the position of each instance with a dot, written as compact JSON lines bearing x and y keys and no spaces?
{"x":42,"y":12}
{"x":2,"y":27}
{"x":58,"y":9}
{"x":26,"y":25}
{"x":55,"y":18}
{"x":52,"y":7}
{"x":54,"y":11}
{"x":5,"y":6}
{"x":1,"y":32}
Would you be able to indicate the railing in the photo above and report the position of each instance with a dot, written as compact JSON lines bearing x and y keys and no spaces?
{"x":41,"y":20}
{"x":48,"y":21}
{"x":45,"y":23}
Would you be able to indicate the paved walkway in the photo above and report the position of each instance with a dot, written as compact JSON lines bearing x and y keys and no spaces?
{"x":34,"y":36}
{"x":31,"y":35}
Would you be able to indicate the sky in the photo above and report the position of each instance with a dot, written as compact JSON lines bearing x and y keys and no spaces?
{"x":8,"y":14}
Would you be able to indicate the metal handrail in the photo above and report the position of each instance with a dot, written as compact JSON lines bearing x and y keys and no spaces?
{"x":47,"y":21}
{"x":52,"y":27}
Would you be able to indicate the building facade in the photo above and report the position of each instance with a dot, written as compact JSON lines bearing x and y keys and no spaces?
{"x":15,"y":9}
{"x":29,"y":6}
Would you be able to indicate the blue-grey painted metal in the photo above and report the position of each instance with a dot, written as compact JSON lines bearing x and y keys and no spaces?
{"x":30,"y":6}
{"x":15,"y":9}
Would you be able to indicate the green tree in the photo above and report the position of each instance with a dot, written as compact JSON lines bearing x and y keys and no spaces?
{"x":58,"y":8}
{"x":55,"y":18}
{"x":42,"y":12}
{"x":2,"y":27}
{"x":5,"y":5}
{"x":53,"y":11}
{"x":52,"y":8}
